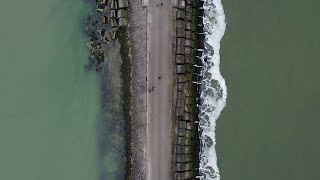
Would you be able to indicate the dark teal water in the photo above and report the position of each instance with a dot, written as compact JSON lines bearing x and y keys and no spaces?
{"x":270,"y":60}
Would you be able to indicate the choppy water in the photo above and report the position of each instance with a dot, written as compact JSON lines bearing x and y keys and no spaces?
{"x":214,"y":90}
{"x":51,"y":120}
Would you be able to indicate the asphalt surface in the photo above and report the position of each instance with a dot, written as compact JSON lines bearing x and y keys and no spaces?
{"x":159,"y":101}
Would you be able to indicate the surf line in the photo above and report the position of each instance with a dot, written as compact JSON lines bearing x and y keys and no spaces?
{"x":214,"y":89}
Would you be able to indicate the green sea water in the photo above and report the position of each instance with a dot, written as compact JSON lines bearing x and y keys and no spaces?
{"x":270,"y":59}
{"x":49,"y":105}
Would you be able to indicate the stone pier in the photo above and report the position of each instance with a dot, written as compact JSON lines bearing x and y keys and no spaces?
{"x":188,"y":52}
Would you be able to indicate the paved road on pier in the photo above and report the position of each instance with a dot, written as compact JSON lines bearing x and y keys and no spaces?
{"x":159,"y":100}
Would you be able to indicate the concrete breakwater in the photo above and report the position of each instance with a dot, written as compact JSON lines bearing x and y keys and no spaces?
{"x":101,"y":28}
{"x":189,"y":47}
{"x":108,"y":42}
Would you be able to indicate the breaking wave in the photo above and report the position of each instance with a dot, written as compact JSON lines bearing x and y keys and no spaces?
{"x":214,"y":90}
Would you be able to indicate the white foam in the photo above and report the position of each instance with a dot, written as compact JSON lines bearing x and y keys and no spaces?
{"x":214,"y":90}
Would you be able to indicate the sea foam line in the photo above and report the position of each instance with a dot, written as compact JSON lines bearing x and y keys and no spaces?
{"x":214,"y":89}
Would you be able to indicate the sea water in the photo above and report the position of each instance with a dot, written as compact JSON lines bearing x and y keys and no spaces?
{"x":50,"y":107}
{"x":269,"y":128}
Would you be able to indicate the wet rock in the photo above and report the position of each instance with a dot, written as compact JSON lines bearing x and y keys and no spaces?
{"x":181,"y":78}
{"x":187,"y":50}
{"x":200,"y":20}
{"x":122,"y":13}
{"x":112,"y":14}
{"x":187,"y":166}
{"x":194,"y":78}
{"x":181,"y":32}
{"x":188,"y":25}
{"x":113,"y":23}
{"x":103,"y":2}
{"x":200,"y":30}
{"x":201,"y":12}
{"x":113,"y":5}
{"x":185,"y":133}
{"x":179,"y":111}
{"x":188,"y":93}
{"x":180,"y":87}
{"x":181,"y":4}
{"x":180,"y":103}
{"x":182,"y":124}
{"x":181,"y":24}
{"x":100,"y":8}
{"x":189,"y":134}
{"x":188,"y":2}
{"x":183,"y":149}
{"x":189,"y":101}
{"x":181,"y":14}
{"x":181,"y":69}
{"x":104,"y":19}
{"x":188,"y":108}
{"x":187,"y":118}
{"x":184,"y":141}
{"x":191,"y":126}
{"x":90,"y":45}
{"x":189,"y":8}
{"x":193,"y":69}
{"x":194,"y":36}
{"x":195,"y":4}
{"x":112,"y":34}
{"x":183,"y":158}
{"x":123,"y":22}
{"x":193,"y":116}
{"x":180,"y":41}
{"x":188,"y":16}
{"x":180,"y":59}
{"x":200,"y":44}
{"x":188,"y":59}
{"x":180,"y":95}
{"x":194,"y":27}
{"x":199,"y":61}
{"x":188,"y":77}
{"x":123,"y":4}
{"x":180,"y":50}
{"x":181,"y":132}
{"x":200,"y":3}
{"x":188,"y":42}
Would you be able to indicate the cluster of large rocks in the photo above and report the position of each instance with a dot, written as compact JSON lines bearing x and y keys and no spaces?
{"x":189,"y":49}
{"x":101,"y":28}
{"x":114,"y":15}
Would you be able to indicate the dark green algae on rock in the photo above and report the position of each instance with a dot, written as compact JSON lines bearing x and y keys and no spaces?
{"x":188,"y":52}
{"x":107,"y":33}
{"x":101,"y":28}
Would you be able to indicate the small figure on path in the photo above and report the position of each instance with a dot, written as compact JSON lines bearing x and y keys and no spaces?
{"x":151,"y":89}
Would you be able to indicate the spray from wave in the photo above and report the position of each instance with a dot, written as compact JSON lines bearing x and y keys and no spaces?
{"x":214,"y":90}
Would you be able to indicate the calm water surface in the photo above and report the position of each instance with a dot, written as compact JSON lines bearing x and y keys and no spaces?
{"x":48,"y":104}
{"x":270,"y":60}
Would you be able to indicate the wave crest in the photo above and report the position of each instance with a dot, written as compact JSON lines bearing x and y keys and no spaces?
{"x":214,"y":89}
